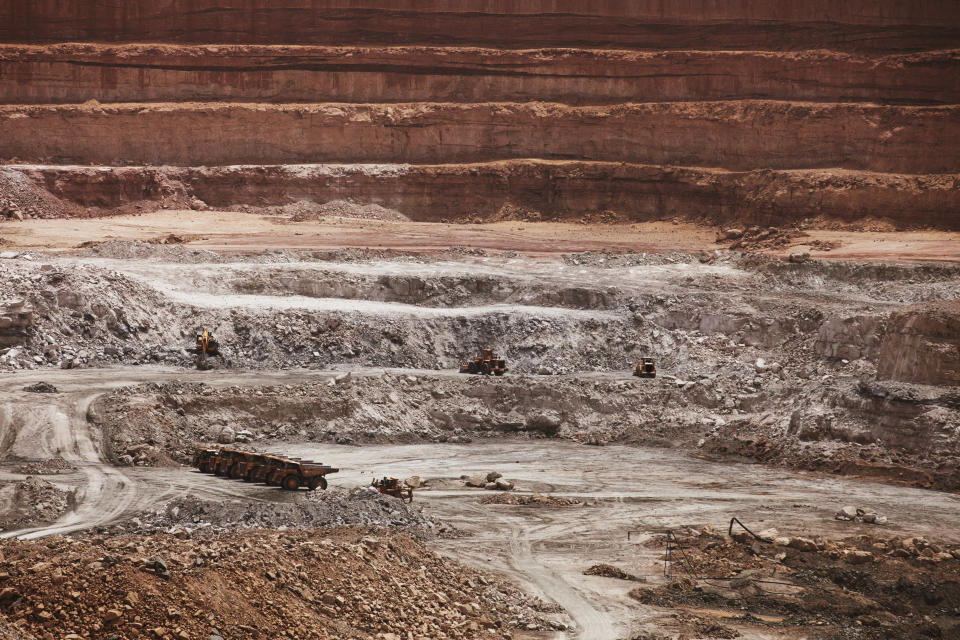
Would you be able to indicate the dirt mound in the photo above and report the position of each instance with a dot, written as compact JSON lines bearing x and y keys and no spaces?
{"x":162,"y":250}
{"x":33,"y":502}
{"x":307,"y":510}
{"x":316,"y":585}
{"x":50,"y":466}
{"x":40,"y":387}
{"x":529,"y":499}
{"x":610,"y":571}
{"x":21,"y":198}
{"x":307,"y":210}
{"x":757,"y":239}
{"x":896,"y":587}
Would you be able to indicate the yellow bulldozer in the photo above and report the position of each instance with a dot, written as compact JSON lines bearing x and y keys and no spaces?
{"x":486,"y":363}
{"x":207,"y":346}
{"x":646,"y":368}
{"x":393,"y":487}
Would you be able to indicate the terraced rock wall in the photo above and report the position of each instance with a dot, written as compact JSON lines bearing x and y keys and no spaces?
{"x":639,"y":24}
{"x":700,"y":109}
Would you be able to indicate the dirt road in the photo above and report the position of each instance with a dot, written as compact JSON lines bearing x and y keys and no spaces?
{"x":544,"y":549}
{"x":245,"y":232}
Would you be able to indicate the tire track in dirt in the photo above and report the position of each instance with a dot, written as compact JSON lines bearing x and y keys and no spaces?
{"x":61,"y":428}
{"x":593,"y":623}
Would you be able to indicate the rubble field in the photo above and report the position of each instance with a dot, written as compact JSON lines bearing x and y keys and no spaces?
{"x":325,"y":583}
{"x":866,"y":586}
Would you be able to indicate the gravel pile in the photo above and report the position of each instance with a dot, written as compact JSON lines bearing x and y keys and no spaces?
{"x":529,"y":499}
{"x":33,"y":502}
{"x":306,"y":210}
{"x":359,"y":583}
{"x":362,"y":506}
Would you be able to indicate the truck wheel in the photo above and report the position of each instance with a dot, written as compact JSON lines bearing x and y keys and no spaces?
{"x":291,"y":483}
{"x":249,"y":476}
{"x":235,"y":472}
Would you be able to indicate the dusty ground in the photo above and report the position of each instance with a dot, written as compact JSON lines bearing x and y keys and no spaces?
{"x":349,"y":356}
{"x":242,"y":232}
{"x":622,"y":489}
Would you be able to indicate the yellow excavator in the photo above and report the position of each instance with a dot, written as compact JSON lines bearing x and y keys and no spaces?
{"x":207,"y":345}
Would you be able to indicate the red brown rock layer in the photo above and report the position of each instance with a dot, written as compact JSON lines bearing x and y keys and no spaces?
{"x":638,"y":24}
{"x":142,"y":73}
{"x":733,"y":135}
{"x":555,"y":190}
{"x":922,"y":344}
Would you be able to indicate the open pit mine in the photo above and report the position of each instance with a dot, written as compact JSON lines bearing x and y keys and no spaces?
{"x":476,"y":319}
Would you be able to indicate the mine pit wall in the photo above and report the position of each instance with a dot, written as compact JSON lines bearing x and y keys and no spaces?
{"x":76,"y":73}
{"x":639,"y":24}
{"x":922,"y":345}
{"x":737,"y":136}
{"x":748,"y":111}
{"x":555,"y":190}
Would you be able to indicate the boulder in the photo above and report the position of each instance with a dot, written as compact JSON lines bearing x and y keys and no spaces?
{"x":16,"y":319}
{"x":476,"y":481}
{"x":227,"y":435}
{"x":504,"y":484}
{"x":846,"y":513}
{"x":112,"y":615}
{"x":802,"y":544}
{"x":493,"y":476}
{"x":547,"y":422}
{"x":855,"y":556}
{"x":413,"y":482}
{"x":768,"y":535}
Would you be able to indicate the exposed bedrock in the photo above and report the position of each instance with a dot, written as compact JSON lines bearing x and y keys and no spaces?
{"x":922,"y":344}
{"x":75,"y":73}
{"x":650,"y":24}
{"x":548,"y":190}
{"x":16,"y":319}
{"x":733,"y":135}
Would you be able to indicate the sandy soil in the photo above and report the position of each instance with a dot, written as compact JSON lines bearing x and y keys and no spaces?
{"x":241,"y":232}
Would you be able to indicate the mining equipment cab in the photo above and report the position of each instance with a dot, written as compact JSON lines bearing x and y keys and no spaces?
{"x":225,"y":459}
{"x":203,"y":458}
{"x":486,"y":363}
{"x":246,"y":463}
{"x":207,"y":345}
{"x":393,"y":487}
{"x":646,"y":368}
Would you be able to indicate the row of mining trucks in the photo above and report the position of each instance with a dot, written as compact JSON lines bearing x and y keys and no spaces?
{"x":489,"y":363}
{"x":268,"y":468}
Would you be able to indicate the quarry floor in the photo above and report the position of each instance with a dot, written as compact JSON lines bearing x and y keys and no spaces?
{"x":627,"y":494}
{"x":248,"y":232}
{"x":637,"y":490}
